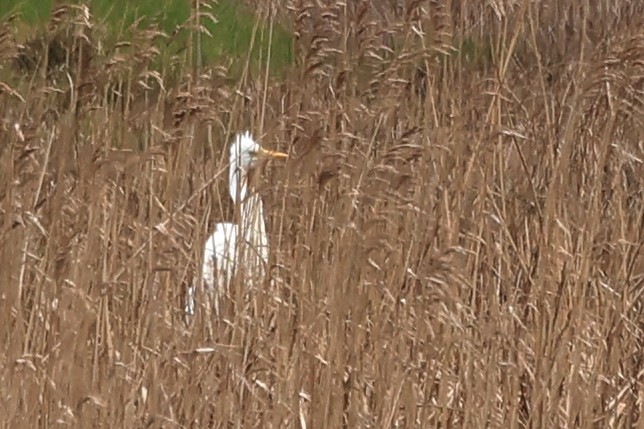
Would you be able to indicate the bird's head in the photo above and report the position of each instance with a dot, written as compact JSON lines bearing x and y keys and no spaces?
{"x":246,"y":153}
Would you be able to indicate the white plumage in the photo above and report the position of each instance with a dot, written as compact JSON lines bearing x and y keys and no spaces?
{"x":221,"y":250}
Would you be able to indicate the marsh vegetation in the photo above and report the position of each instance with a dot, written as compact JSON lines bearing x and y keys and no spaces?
{"x":456,"y":240}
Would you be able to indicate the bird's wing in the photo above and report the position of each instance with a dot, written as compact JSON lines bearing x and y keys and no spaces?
{"x":219,"y":253}
{"x":218,"y":264}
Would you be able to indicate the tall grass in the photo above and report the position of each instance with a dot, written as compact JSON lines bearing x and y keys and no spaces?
{"x":228,"y":24}
{"x":456,"y":240}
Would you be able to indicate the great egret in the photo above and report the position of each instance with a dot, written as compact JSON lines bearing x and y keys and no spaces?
{"x":222,"y":255}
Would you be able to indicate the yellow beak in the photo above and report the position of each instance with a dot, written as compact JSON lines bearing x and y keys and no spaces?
{"x":273,"y":154}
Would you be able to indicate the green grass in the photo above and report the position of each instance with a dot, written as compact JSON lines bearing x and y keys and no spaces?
{"x":231,"y":35}
{"x":31,"y":11}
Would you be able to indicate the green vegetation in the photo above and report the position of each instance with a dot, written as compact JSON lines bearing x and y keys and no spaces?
{"x":228,"y":25}
{"x":31,"y":11}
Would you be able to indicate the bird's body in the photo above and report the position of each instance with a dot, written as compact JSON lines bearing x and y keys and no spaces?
{"x":219,"y":255}
{"x":233,"y":247}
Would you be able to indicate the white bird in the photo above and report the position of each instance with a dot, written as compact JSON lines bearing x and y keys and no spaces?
{"x":222,"y":256}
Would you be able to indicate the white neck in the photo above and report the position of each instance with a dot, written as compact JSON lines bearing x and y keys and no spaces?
{"x":237,"y":181}
{"x":252,"y":226}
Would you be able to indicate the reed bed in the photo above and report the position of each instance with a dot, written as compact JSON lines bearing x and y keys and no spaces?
{"x":456,"y":238}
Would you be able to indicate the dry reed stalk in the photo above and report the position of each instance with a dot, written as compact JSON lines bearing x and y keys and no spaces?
{"x":456,"y":241}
